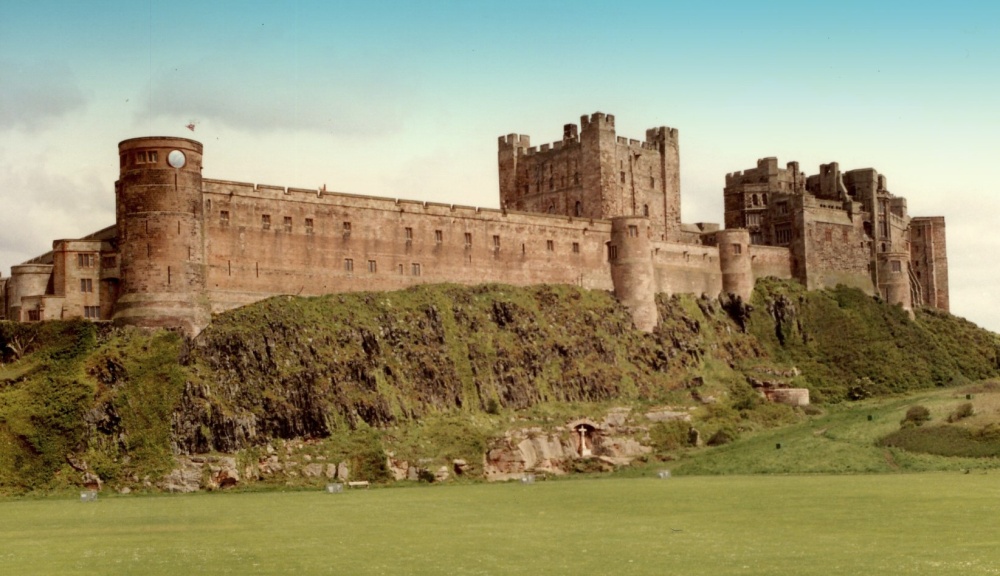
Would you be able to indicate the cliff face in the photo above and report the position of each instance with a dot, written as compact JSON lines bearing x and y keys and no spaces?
{"x":306,"y":367}
{"x":441,"y":372}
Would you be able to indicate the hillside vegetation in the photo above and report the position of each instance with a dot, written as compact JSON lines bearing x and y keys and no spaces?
{"x":440,"y":371}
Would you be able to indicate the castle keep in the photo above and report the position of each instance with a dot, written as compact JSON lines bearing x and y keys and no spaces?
{"x":594,"y":209}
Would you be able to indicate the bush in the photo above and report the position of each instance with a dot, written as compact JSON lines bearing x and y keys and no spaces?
{"x":670,"y":435}
{"x":963,"y":411}
{"x":916,"y":416}
{"x":723,"y":435}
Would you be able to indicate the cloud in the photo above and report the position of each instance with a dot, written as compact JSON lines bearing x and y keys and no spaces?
{"x":360,"y":105}
{"x":37,"y":93}
{"x":37,"y":206}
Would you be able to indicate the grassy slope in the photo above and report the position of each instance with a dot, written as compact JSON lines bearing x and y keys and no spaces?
{"x":824,"y":525}
{"x":461,"y":363}
{"x":845,"y":440}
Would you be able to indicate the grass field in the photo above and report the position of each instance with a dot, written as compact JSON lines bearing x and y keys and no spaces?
{"x":933,"y":523}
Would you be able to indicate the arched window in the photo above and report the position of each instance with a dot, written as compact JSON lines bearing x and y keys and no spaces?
{"x":645,"y":210}
{"x":578,"y":209}
{"x":552,"y":208}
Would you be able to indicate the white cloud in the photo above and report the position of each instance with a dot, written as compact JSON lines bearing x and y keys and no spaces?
{"x":35,"y":94}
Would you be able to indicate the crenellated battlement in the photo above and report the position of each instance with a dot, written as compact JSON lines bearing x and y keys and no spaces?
{"x":661,"y":134}
{"x":514,"y":141}
{"x":598,"y":120}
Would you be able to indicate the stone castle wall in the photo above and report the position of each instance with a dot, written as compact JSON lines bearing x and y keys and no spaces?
{"x":264,"y":240}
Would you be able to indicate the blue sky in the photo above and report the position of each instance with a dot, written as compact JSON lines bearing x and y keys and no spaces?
{"x":406,"y":99}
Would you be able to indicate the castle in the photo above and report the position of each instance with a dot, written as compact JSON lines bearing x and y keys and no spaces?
{"x":594,"y":209}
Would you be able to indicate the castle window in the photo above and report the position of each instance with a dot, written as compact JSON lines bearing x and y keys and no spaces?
{"x":652,"y":182}
{"x":576,"y":247}
{"x":897,"y":266}
{"x":612,"y":252}
{"x":764,"y":199}
{"x":86,"y":260}
{"x":409,"y":235}
{"x":645,"y":210}
{"x":550,"y":245}
{"x":288,"y":223}
{"x":224,"y":217}
{"x":753,"y":219}
{"x":782,"y":235}
{"x":552,"y":208}
{"x":372,"y":266}
{"x":551,"y":185}
{"x":348,"y":264}
{"x":109,"y":262}
{"x":755,"y":200}
{"x":438,"y":236}
{"x":828,"y":235}
{"x":737,"y":249}
{"x":578,"y":209}
{"x":34,"y":316}
{"x":415,"y":269}
{"x":347,"y":229}
{"x":309,"y":225}
{"x":153,"y":156}
{"x":92,"y":312}
{"x":400,"y":268}
{"x":623,"y":176}
{"x":633,"y":231}
{"x":496,"y":243}
{"x":468,"y":239}
{"x":86,"y":285}
{"x":140,"y":157}
{"x":265,"y":221}
{"x":756,"y":238}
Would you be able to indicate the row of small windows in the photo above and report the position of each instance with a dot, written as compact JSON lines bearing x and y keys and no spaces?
{"x":144,"y":157}
{"x":265,"y":220}
{"x":92,"y":312}
{"x":90,"y":261}
{"x":373,"y":267}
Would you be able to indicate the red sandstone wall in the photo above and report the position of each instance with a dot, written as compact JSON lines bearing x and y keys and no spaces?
{"x":929,"y":260}
{"x":773,"y":261}
{"x":836,"y":249}
{"x":687,"y":269}
{"x":246,"y":262}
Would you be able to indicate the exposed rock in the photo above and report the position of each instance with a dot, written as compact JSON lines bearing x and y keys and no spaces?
{"x":665,"y":415}
{"x":442,"y":474}
{"x":343,"y":472}
{"x":312,"y":470}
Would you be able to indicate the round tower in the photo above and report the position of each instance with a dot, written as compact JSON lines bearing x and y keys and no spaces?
{"x":630,"y":253}
{"x":26,"y":280}
{"x":894,"y":279}
{"x":734,"y":260}
{"x":160,"y":234}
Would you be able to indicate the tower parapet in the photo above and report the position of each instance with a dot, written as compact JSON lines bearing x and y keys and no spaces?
{"x":160,"y":228}
{"x":632,"y":269}
{"x":27,"y":281}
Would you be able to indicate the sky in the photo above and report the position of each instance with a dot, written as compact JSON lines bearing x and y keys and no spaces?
{"x":407,"y":99}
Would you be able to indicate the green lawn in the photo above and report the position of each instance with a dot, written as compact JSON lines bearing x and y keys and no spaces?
{"x":934,"y":523}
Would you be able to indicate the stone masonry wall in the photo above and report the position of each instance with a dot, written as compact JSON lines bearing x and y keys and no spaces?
{"x":929,"y":260}
{"x":266,"y":240}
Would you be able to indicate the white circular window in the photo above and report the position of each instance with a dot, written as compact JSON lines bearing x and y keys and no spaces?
{"x":176,"y":158}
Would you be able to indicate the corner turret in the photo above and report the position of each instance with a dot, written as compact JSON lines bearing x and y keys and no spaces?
{"x":160,"y":230}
